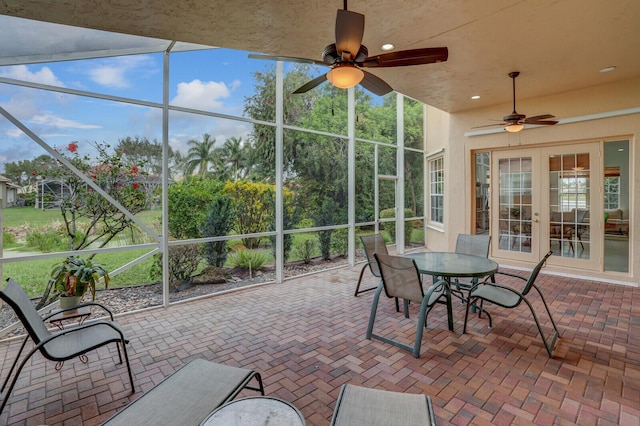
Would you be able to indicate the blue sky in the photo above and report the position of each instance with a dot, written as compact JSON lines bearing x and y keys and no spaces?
{"x":215,"y":80}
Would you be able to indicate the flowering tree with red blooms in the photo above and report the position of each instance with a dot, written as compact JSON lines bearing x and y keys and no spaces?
{"x":88,"y":216}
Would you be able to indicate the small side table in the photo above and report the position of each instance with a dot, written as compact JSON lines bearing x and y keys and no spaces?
{"x":62,"y":318}
{"x":255,"y":411}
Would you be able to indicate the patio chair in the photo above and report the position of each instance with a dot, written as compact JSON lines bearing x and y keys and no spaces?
{"x":401,"y":279}
{"x":372,"y":244}
{"x":510,"y":298}
{"x":358,"y":405}
{"x":476,"y":245}
{"x":62,"y":345}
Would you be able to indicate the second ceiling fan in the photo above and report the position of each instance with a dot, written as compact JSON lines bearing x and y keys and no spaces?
{"x":348,"y":55}
{"x":515,"y":122}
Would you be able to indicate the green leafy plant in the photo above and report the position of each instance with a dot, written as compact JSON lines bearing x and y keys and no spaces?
{"x":306,"y":250}
{"x":75,"y":275}
{"x":340,"y":242}
{"x":183,"y":263}
{"x":218,"y":223}
{"x":250,"y":259}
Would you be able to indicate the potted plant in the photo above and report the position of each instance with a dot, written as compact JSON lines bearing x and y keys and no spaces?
{"x":74,"y":276}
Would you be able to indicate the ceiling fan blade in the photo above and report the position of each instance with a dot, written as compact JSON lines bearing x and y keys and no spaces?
{"x":427,"y":55}
{"x":490,"y":125}
{"x":539,"y":117}
{"x":286,"y":59}
{"x":311,"y":84}
{"x":541,"y":122}
{"x":375,"y":84}
{"x":349,"y":32}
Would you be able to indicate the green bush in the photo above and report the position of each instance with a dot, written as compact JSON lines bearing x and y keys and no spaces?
{"x":47,"y":241}
{"x":8,"y":238}
{"x":183,"y":263}
{"x":391,"y":228}
{"x":218,"y":223}
{"x":306,"y":250}
{"x":340,"y":242}
{"x":254,"y":206}
{"x":188,"y":203}
{"x":248,"y":259}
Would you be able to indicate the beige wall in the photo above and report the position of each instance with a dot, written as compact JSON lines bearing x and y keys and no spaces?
{"x":437,"y":138}
{"x":574,"y":106}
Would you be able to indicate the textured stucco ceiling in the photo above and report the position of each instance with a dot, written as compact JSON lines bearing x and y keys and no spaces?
{"x":557,"y":45}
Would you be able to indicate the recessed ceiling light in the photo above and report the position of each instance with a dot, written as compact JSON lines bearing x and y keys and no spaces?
{"x":388,"y":46}
{"x":475,"y":97}
{"x":620,"y":149}
{"x":607,"y":69}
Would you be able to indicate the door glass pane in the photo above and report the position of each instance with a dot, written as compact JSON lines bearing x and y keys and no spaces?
{"x":569,"y":195}
{"x":617,"y":208}
{"x":515,"y":191}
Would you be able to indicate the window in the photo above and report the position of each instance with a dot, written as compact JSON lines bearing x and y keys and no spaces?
{"x":612,"y":192}
{"x":436,"y":190}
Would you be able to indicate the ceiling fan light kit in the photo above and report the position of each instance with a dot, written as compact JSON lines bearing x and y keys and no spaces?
{"x":514,"y":128}
{"x":347,"y":56}
{"x":515,"y":122}
{"x":345,"y":76}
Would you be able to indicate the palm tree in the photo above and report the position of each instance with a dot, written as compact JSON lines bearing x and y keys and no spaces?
{"x":235,"y":155}
{"x":200,"y":155}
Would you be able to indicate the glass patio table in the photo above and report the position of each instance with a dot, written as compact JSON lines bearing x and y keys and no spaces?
{"x":446,"y":265}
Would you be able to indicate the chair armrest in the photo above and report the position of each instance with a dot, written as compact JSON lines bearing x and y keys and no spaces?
{"x":51,"y":314}
{"x":75,"y":330}
{"x":510,"y":275}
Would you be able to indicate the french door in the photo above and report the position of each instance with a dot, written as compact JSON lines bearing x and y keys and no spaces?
{"x":548,"y":199}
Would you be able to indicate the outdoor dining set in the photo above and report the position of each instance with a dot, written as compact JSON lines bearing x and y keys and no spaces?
{"x":427,"y":279}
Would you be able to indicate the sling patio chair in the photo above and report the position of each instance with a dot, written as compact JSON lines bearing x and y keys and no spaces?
{"x":357,"y":406}
{"x":476,"y":245}
{"x":372,"y":244}
{"x":508,"y":297}
{"x":62,"y":345}
{"x":401,"y":279}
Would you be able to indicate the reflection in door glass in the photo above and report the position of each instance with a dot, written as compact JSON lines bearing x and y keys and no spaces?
{"x":569,"y":195}
{"x":617,"y":211}
{"x":515,"y":204}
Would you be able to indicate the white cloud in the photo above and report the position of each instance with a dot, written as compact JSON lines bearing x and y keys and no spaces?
{"x":52,"y":120}
{"x":21,"y":72}
{"x":112,"y":72}
{"x":109,"y":76}
{"x":201,"y":95}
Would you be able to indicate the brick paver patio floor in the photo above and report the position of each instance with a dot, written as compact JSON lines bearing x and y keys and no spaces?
{"x":306,"y":338}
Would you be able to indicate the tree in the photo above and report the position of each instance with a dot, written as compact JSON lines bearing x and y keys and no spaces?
{"x":25,"y":172}
{"x":144,"y":151}
{"x":235,"y":155}
{"x":89,"y":218}
{"x":201,"y":154}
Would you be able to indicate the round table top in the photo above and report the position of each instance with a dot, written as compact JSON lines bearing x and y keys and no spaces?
{"x":255,"y":411}
{"x":448,"y":264}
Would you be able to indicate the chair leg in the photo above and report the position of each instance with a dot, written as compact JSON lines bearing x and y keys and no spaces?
{"x":358,"y":291}
{"x":13,"y":366}
{"x":550,"y":343}
{"x":126,"y":358}
{"x":374,"y":308}
{"x":5,"y":399}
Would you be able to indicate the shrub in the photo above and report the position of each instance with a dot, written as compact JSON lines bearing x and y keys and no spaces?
{"x":391,"y":226}
{"x":188,"y":203}
{"x":218,"y":222}
{"x":340,"y":242}
{"x":8,"y":238}
{"x":254,"y":207}
{"x":248,"y":259}
{"x":183,"y":263}
{"x":306,"y":250}
{"x":47,"y":241}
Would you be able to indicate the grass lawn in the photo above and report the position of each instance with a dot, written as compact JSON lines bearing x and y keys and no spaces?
{"x":17,"y":216}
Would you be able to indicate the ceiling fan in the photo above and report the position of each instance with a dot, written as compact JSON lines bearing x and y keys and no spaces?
{"x":515,"y":122}
{"x":348,"y":55}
